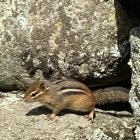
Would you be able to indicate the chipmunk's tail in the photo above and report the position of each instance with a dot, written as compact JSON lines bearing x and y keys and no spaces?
{"x":111,"y":94}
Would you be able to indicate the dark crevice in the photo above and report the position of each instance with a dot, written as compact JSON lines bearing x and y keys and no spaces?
{"x":132,"y":7}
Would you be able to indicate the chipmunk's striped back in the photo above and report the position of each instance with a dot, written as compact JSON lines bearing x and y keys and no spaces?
{"x":72,"y":87}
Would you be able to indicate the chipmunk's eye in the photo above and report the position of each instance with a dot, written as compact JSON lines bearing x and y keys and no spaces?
{"x":34,"y":93}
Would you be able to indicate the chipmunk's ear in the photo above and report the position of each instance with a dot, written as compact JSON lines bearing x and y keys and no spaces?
{"x":42,"y":86}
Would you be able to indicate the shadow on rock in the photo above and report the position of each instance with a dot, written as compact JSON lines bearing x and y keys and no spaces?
{"x":39,"y":111}
{"x":44,"y":110}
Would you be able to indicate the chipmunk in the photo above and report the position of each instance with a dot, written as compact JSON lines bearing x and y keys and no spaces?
{"x":71,"y":95}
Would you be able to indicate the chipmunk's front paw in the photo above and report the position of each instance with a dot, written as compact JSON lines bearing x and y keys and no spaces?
{"x":51,"y":117}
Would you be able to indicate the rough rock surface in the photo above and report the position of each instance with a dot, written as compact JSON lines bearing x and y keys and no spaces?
{"x":135,"y":64}
{"x":21,"y":121}
{"x":68,"y":38}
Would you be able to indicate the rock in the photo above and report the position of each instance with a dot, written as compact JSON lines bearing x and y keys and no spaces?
{"x":98,"y":134}
{"x":75,"y":39}
{"x":29,"y":121}
{"x":13,"y":76}
{"x":135,"y":89}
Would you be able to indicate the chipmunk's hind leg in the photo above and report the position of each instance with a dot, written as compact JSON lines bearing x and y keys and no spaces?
{"x":91,"y":115}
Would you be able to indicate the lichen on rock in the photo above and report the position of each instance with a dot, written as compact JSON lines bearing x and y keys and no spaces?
{"x":64,"y":39}
{"x":135,"y":89}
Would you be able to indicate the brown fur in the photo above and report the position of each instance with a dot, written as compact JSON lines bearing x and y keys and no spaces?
{"x":111,"y":94}
{"x":71,"y":95}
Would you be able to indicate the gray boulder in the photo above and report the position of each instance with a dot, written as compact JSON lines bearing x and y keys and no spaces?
{"x":84,"y":40}
{"x":135,"y":89}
